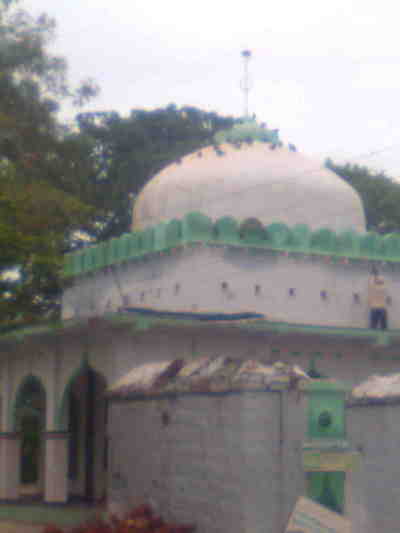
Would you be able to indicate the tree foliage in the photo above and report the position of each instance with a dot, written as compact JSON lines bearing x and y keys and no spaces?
{"x":55,"y":184}
{"x":41,"y":167}
{"x":379,"y":193}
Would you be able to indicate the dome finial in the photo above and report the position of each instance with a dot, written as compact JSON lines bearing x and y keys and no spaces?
{"x":245,"y":83}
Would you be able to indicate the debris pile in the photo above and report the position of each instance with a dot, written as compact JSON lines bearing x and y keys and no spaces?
{"x":205,"y":374}
{"x":140,"y":520}
{"x":378,"y":388}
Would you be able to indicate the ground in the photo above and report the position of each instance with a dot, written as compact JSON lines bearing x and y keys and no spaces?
{"x":19,"y":527}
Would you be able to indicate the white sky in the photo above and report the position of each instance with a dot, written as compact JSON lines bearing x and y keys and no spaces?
{"x":326,"y":73}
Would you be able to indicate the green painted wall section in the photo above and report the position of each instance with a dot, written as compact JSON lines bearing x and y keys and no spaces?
{"x":326,"y":422}
{"x":196,"y":227}
{"x":247,"y":131}
{"x":327,"y":488}
{"x":326,"y":417}
{"x":326,"y":409}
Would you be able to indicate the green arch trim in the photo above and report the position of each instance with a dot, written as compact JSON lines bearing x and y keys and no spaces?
{"x":60,"y":418}
{"x":19,"y":397}
{"x":60,"y":422}
{"x":197,"y":228}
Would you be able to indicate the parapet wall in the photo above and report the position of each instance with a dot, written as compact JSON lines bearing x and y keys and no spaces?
{"x":293,"y":287}
{"x":195,"y":228}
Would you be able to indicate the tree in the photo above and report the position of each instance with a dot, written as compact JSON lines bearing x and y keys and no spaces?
{"x":379,"y":193}
{"x":35,"y":221}
{"x":56,"y":185}
{"x":41,"y":167}
{"x":127,"y":152}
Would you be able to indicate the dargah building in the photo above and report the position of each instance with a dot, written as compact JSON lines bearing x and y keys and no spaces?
{"x":216,"y":361}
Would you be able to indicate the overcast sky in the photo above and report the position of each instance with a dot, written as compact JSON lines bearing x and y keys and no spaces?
{"x":326,"y":73}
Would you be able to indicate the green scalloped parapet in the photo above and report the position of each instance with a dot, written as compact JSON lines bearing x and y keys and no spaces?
{"x":323,"y":240}
{"x":279,"y":235}
{"x":247,"y":131}
{"x":198,"y":228}
{"x":299,"y":237}
{"x":251,"y":231}
{"x":226,"y":231}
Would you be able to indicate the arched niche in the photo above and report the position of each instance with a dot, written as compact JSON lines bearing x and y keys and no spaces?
{"x":82,"y":412}
{"x":29,"y":419}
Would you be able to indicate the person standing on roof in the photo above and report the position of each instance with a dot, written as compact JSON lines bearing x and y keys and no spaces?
{"x":377,"y":299}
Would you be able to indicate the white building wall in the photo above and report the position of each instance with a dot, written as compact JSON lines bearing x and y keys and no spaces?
{"x":302,"y":290}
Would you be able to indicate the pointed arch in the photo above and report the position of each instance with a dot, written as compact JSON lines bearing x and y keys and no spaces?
{"x":82,"y":413}
{"x":29,"y":387}
{"x":61,"y":411}
{"x":28,"y":416}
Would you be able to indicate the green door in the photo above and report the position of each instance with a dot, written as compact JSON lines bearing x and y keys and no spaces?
{"x":327,"y":488}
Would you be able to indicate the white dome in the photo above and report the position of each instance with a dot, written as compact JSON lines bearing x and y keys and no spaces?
{"x":272,"y":185}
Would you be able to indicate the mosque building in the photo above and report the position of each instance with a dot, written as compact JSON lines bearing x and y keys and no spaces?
{"x":195,"y":361}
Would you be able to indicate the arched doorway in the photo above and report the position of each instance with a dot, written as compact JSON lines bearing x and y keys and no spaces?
{"x":30,"y":413}
{"x":84,"y":416}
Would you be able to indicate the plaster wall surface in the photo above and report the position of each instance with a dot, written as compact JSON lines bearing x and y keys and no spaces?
{"x":374,"y":486}
{"x":302,"y":290}
{"x":112,"y":351}
{"x":213,"y":459}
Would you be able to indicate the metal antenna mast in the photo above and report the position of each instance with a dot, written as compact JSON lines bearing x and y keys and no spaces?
{"x":245,"y":83}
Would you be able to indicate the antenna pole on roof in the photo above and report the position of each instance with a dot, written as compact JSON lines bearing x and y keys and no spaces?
{"x":245,"y":82}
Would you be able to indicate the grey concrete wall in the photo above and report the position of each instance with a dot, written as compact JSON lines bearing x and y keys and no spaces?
{"x":374,"y":502}
{"x":294,"y":427}
{"x":215,"y":460}
{"x":234,"y":462}
{"x":191,"y":280}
